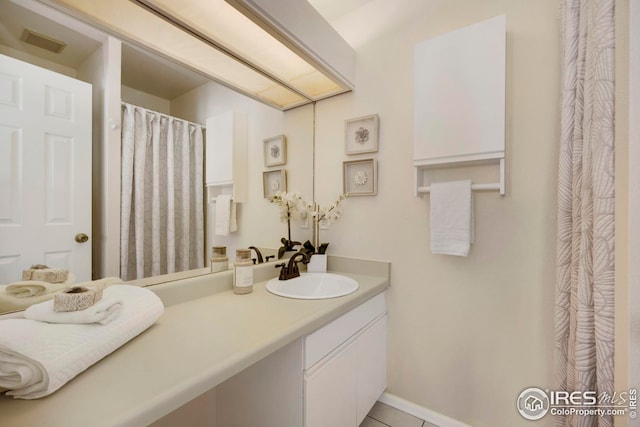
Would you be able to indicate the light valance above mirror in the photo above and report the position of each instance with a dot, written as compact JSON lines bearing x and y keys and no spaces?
{"x":263,"y":54}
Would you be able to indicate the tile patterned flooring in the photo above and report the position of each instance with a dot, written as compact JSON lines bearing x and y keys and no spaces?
{"x":382,"y":415}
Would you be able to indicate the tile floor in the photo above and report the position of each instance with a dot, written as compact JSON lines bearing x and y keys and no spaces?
{"x":382,"y":415}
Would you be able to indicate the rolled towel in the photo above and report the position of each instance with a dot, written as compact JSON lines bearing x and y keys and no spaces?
{"x":38,"y":358}
{"x":32,"y":288}
{"x":10,"y":302}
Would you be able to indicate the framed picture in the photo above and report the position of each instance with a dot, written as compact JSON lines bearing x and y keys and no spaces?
{"x":275,"y":151}
{"x":273,"y":182}
{"x":360,"y":177}
{"x":361,"y":135}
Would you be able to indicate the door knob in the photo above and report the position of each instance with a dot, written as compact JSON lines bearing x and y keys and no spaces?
{"x":81,"y":237}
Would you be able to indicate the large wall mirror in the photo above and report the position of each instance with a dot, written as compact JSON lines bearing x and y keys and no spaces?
{"x":162,"y":85}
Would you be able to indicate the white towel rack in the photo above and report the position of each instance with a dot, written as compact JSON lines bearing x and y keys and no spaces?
{"x":419,"y":169}
{"x":474,"y":187}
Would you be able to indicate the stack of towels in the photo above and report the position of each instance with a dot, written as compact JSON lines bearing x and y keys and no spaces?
{"x":46,"y":349}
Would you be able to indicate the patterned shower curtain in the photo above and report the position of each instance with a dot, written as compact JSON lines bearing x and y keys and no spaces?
{"x":162,"y":220}
{"x":584,"y":310}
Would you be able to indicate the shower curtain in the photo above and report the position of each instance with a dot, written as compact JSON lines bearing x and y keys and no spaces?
{"x":584,"y":310}
{"x":162,"y":221}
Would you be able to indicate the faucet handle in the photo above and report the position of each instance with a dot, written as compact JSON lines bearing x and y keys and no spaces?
{"x":268,"y":257}
{"x":283,"y":271}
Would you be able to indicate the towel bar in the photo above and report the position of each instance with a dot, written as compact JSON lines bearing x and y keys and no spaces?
{"x":493,"y":186}
{"x":475,"y":187}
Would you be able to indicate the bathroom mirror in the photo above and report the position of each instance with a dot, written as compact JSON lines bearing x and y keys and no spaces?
{"x":157,"y":84}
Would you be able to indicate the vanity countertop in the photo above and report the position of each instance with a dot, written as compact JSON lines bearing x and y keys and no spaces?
{"x":192,"y":348}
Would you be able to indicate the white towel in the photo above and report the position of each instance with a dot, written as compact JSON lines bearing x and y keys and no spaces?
{"x":451,"y":218}
{"x":103,"y":312}
{"x":38,"y":358}
{"x":32,"y":288}
{"x":225,"y":215}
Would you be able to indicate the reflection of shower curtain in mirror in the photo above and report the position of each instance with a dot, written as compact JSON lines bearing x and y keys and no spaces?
{"x":162,"y":223}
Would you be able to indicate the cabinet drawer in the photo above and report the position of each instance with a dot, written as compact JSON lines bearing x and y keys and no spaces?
{"x":321,"y":342}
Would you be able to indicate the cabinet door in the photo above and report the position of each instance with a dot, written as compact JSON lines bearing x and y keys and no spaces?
{"x":372,"y":366}
{"x":331,"y":390}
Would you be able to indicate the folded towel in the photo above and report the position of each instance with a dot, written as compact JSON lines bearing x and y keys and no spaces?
{"x":225,"y":215}
{"x":451,"y":218}
{"x":38,"y":358}
{"x":103,"y":312}
{"x":31,"y":288}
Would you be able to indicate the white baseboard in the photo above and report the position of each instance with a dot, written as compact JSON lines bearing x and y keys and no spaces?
{"x":421,"y":412}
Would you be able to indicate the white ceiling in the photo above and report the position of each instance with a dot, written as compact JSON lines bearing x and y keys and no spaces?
{"x":14,"y":19}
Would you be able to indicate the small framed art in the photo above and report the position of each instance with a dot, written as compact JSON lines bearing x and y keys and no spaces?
{"x":361,"y":135}
{"x":360,"y":177}
{"x":273,"y":182}
{"x":275,"y":151}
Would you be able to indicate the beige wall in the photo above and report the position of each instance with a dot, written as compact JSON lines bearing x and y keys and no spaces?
{"x":467,"y":335}
{"x":145,"y":100}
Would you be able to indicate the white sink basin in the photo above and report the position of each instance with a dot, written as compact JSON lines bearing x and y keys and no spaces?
{"x":313,"y":286}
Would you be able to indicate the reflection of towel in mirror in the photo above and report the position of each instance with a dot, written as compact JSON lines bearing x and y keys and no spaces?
{"x":32,"y":288}
{"x":9,"y":302}
{"x":226,"y":221}
{"x":38,"y":358}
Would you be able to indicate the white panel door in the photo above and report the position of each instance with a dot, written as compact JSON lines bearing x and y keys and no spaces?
{"x":45,"y":170}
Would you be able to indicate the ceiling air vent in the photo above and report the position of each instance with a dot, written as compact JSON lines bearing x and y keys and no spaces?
{"x":40,"y":40}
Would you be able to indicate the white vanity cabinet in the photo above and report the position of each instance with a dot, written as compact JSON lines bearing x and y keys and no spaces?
{"x":329,"y":378}
{"x":346,"y":367}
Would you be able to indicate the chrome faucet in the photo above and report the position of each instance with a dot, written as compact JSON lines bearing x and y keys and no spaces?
{"x":258,"y":254}
{"x":291,"y":270}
